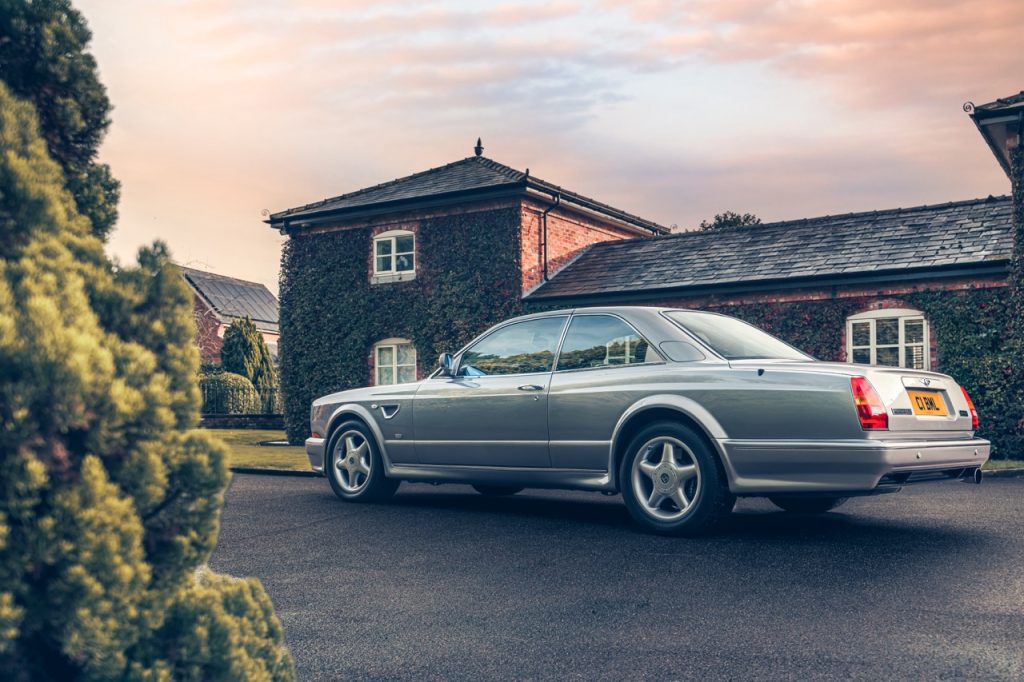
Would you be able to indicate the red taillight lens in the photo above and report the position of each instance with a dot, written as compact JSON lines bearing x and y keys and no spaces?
{"x":870,"y":409}
{"x":970,"y":406}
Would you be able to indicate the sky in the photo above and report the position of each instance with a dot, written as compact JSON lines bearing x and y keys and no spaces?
{"x":674,"y":111}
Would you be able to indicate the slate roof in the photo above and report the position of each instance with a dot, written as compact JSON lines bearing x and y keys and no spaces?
{"x":456,"y":181}
{"x":850,"y":246}
{"x":234,"y":298}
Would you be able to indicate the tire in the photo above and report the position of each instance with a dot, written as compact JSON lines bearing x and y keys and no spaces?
{"x":806,"y":505}
{"x":496,"y":490}
{"x":354,"y":466}
{"x":682,"y":491}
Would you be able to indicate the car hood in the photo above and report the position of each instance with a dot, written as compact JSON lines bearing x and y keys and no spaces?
{"x":369,"y":393}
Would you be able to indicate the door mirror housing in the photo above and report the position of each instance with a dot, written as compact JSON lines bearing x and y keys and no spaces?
{"x":447,"y":364}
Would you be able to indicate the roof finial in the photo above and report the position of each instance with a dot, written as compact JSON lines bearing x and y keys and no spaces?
{"x":479,"y":148}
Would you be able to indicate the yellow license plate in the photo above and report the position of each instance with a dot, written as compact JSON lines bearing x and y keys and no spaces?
{"x":928,"y":403}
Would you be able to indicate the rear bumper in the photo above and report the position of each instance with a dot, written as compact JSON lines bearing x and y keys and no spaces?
{"x":315,"y":452}
{"x":863,"y":466}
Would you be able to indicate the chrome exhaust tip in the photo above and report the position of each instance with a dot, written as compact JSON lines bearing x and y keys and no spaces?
{"x":978,"y":476}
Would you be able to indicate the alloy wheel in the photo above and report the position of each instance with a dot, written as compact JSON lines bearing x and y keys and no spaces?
{"x":666,"y":478}
{"x":351,"y":461}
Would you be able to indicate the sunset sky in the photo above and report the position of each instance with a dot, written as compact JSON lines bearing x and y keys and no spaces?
{"x":671,"y":110}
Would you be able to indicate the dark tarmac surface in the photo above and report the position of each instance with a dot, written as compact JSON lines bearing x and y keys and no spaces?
{"x":443,"y":583}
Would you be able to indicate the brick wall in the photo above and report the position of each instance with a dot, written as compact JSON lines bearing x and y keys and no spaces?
{"x":208,"y":332}
{"x":568,"y":234}
{"x":867,"y":297}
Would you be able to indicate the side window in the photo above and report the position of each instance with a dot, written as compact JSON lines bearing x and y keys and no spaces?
{"x":520,"y":348}
{"x":602,"y":341}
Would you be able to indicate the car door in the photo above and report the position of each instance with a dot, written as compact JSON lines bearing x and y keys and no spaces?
{"x":493,"y":412}
{"x":604,"y":366}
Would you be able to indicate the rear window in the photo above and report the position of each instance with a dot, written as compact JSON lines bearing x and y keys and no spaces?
{"x":734,"y":339}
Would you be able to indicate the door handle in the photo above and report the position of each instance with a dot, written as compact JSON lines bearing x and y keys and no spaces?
{"x":531,"y":387}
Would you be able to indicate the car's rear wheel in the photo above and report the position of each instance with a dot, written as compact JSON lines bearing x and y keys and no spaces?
{"x":354,"y":467}
{"x":671,"y":481}
{"x":496,"y":490}
{"x":806,"y":505}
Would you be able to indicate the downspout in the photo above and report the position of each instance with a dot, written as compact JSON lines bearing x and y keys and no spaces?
{"x":544,"y":220}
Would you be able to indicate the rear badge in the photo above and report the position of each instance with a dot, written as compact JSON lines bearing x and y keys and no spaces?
{"x":902,"y":410}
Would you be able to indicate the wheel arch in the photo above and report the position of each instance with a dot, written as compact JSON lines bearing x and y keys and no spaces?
{"x":353,"y":411}
{"x":667,"y":408}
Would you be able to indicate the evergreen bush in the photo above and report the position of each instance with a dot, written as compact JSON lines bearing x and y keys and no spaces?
{"x":109,"y":495}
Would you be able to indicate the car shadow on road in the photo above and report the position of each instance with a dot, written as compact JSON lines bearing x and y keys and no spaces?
{"x":761,"y":523}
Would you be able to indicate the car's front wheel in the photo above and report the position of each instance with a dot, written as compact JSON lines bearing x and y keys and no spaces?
{"x":671,"y":482}
{"x":806,"y":505}
{"x":355,"y":468}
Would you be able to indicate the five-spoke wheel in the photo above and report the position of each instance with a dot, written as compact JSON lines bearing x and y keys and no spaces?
{"x":355,"y":469}
{"x":666,"y":478}
{"x":671,"y":481}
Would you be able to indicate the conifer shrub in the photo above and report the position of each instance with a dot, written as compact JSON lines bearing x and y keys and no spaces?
{"x":110,"y":496}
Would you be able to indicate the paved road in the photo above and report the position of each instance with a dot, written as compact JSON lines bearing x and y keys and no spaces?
{"x":443,"y":583}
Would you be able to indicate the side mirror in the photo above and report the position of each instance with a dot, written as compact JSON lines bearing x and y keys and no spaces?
{"x":447,"y":363}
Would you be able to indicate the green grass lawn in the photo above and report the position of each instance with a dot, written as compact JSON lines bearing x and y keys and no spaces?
{"x":1004,"y":464}
{"x":246,"y":451}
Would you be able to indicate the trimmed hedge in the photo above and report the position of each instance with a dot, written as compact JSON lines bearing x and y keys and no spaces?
{"x":228,"y":393}
{"x":467,"y":278}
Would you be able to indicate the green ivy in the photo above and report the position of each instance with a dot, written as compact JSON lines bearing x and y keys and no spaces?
{"x":467,"y":278}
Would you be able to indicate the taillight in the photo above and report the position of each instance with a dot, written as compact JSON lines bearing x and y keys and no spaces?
{"x":970,"y":406}
{"x":870,"y":409}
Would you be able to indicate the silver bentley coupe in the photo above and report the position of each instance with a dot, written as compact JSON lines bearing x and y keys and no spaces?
{"x":680,"y":411}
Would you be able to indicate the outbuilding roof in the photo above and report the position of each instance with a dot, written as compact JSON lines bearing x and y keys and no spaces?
{"x":235,"y":298}
{"x":458,"y":181}
{"x":903,"y":242}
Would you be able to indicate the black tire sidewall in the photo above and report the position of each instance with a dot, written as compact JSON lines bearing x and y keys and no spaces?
{"x":714,"y":500}
{"x":378,"y":486}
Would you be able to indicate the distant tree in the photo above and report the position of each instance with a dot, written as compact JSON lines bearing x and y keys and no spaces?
{"x":109,"y":495}
{"x":245,"y":352}
{"x":730,"y":219}
{"x":43,"y":59}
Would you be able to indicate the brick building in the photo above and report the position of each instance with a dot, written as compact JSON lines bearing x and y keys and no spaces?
{"x":376,"y":282}
{"x":220,"y":300}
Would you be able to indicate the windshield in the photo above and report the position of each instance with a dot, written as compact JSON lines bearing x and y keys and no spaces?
{"x":734,"y":339}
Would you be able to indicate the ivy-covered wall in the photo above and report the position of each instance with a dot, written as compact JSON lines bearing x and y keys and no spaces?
{"x":467,"y":278}
{"x":969,"y":330}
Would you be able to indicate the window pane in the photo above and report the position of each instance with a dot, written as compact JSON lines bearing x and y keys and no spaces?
{"x":516,"y":349}
{"x":384,"y":264}
{"x":403,"y":263}
{"x":861,"y":333}
{"x":386,"y":355}
{"x":913,"y":331}
{"x":600,"y":341}
{"x":406,"y":354}
{"x":385,"y":376}
{"x":734,"y":339}
{"x":890,"y":357}
{"x":914,"y":357}
{"x":887,"y":331}
{"x":406,"y":374}
{"x":404,"y":244}
{"x":862,"y":355}
{"x":383,"y":247}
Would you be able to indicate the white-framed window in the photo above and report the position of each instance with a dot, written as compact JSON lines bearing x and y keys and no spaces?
{"x":394,"y":253}
{"x":894,"y":337}
{"x":394,"y":362}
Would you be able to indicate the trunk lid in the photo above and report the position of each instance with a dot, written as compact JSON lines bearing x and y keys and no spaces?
{"x":915,"y":400}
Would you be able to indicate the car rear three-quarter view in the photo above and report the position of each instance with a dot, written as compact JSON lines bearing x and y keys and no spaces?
{"x":680,"y":411}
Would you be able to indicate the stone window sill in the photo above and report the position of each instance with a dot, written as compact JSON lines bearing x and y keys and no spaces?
{"x":397,"y":277}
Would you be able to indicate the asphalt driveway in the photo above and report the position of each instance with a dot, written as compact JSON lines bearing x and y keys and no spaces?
{"x":443,"y":583}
